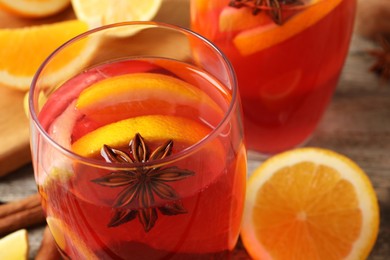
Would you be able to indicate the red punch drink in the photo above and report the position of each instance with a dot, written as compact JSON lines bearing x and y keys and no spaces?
{"x":288,"y":58}
{"x":138,"y":161}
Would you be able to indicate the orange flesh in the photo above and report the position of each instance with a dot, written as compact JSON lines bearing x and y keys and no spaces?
{"x":307,"y":210}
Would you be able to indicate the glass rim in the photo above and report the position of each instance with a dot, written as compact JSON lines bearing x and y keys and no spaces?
{"x":35,"y":122}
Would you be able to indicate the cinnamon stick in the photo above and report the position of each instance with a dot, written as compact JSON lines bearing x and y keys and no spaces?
{"x":48,"y":249}
{"x":19,"y":214}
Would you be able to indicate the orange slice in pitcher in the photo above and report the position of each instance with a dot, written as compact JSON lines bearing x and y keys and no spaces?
{"x":207,"y":5}
{"x":259,"y":38}
{"x":153,"y":128}
{"x":24,"y":49}
{"x":234,"y":19}
{"x":310,"y":203}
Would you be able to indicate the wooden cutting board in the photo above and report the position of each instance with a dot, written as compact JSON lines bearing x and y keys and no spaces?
{"x":14,"y":126}
{"x":14,"y":132}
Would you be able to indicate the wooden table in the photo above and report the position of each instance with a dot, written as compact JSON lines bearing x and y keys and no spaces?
{"x":357,"y":124}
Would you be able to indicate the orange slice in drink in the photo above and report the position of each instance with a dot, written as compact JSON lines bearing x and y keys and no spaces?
{"x":310,"y":203}
{"x":34,"y":8}
{"x":155,"y":129}
{"x":130,"y":95}
{"x":24,"y":50}
{"x":152,"y":128}
{"x":259,"y":38}
{"x":68,"y":240}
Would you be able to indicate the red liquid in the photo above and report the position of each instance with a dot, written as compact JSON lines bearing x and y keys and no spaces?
{"x":79,"y":210}
{"x":285,"y":88}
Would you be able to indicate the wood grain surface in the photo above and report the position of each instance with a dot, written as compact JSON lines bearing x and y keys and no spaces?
{"x":357,"y":124}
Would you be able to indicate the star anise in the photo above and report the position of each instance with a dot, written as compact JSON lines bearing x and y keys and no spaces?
{"x":142,"y":184}
{"x":382,"y":64}
{"x":272,"y":7}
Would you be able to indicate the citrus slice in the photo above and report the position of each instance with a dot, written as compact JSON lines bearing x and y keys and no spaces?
{"x":207,"y":5}
{"x":153,"y":128}
{"x":139,"y":90}
{"x":235,"y":19}
{"x":14,"y":246}
{"x":262,"y":37}
{"x":24,"y":49}
{"x":139,"y":86}
{"x":34,"y":8}
{"x":310,"y":203}
{"x":104,"y":12}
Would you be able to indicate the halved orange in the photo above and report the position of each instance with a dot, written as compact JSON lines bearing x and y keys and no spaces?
{"x":23,"y":50}
{"x":262,"y":37}
{"x":310,"y":203}
{"x":152,"y":128}
{"x":34,"y":8}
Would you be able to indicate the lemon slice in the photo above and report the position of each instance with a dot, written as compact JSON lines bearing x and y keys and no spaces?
{"x":106,"y":12}
{"x":310,"y":203}
{"x":34,"y":8}
{"x":14,"y":246}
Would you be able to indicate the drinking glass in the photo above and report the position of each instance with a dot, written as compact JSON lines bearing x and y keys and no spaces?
{"x":137,"y":147}
{"x":287,"y":55}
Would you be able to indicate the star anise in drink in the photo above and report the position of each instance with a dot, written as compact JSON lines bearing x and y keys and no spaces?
{"x":143,"y":184}
{"x":272,"y":7}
